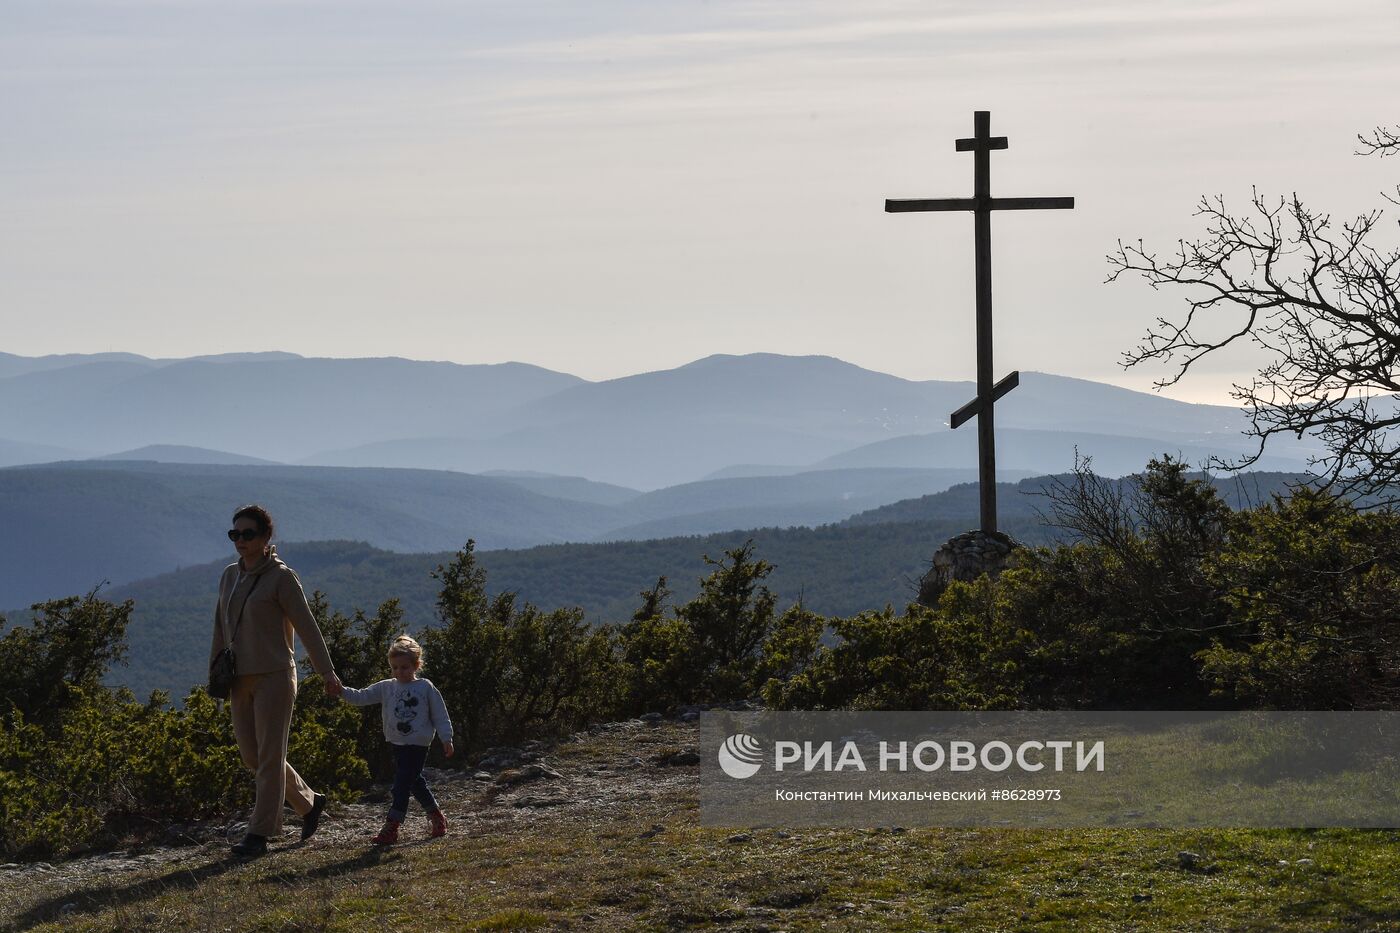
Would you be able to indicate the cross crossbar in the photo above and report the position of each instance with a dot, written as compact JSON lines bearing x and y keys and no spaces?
{"x":975,"y":406}
{"x":1032,"y":204}
{"x":910,"y":205}
{"x":968,"y":145}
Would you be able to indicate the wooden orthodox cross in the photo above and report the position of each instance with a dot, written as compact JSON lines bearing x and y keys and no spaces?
{"x":982,"y":204}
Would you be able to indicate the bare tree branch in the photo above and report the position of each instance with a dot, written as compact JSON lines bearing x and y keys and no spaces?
{"x":1323,"y":299}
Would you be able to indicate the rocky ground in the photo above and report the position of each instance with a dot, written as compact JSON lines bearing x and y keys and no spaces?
{"x":601,"y":832}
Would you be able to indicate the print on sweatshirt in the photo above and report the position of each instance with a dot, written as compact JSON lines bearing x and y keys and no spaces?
{"x":405,"y":711}
{"x":412,"y":712}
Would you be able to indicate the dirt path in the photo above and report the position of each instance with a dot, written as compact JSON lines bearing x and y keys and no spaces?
{"x":597,"y":777}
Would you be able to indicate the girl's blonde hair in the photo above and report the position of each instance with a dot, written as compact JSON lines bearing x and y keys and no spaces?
{"x":405,"y":646}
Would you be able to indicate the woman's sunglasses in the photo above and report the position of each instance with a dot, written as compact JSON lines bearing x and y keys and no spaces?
{"x":247,"y":534}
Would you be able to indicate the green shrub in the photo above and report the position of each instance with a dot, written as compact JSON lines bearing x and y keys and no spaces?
{"x":358,"y":647}
{"x":110,"y":766}
{"x":69,"y":643}
{"x":81,"y":764}
{"x":324,"y":744}
{"x":1313,"y":587}
{"x":729,"y":621}
{"x":1068,"y":628}
{"x":658,"y":655}
{"x":714,"y":647}
{"x":1167,"y":600}
{"x":879,"y":660}
{"x":37,"y":814}
{"x":512,"y":672}
{"x":789,"y":649}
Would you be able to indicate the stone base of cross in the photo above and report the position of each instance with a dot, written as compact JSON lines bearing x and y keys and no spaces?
{"x":965,"y":557}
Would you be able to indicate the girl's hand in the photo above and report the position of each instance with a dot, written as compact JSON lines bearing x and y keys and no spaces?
{"x":333,"y":686}
{"x":447,"y":749}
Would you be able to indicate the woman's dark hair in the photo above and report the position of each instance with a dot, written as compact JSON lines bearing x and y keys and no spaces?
{"x":259,"y":515}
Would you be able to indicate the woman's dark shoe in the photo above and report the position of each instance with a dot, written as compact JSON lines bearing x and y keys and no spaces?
{"x":251,"y":845}
{"x":313,"y":817}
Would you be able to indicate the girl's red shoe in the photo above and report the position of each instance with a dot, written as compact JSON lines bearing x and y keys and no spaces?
{"x":389,"y":834}
{"x":438,"y":824}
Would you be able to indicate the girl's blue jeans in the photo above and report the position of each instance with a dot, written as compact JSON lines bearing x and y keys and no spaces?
{"x":408,"y":779}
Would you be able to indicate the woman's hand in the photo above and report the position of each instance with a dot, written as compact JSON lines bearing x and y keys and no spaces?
{"x":447,"y":749}
{"x":334,"y":687}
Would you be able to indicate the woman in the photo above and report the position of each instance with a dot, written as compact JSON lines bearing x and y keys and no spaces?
{"x":260,"y":605}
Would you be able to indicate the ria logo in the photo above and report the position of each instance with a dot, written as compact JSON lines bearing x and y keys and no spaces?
{"x":740,"y":756}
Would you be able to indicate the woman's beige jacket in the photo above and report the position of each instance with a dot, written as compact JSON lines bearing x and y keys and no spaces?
{"x":261,"y":608}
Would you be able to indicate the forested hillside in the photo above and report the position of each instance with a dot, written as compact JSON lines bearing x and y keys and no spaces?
{"x":866,"y":562}
{"x":833,"y":570}
{"x":169,"y":515}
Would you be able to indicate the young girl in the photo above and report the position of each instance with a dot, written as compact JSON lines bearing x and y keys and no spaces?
{"x":413,"y":710}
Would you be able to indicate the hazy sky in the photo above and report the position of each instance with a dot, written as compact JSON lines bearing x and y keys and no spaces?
{"x":613,"y":186}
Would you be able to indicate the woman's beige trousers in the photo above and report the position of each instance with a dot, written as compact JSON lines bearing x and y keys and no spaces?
{"x":262,"y":717}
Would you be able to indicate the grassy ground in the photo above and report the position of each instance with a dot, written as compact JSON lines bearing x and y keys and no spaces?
{"x":621,"y":850}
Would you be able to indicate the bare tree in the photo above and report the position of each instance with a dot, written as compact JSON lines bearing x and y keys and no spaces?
{"x":1322,"y":298}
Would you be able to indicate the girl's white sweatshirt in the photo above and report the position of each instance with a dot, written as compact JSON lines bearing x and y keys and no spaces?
{"x":412,"y":711}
